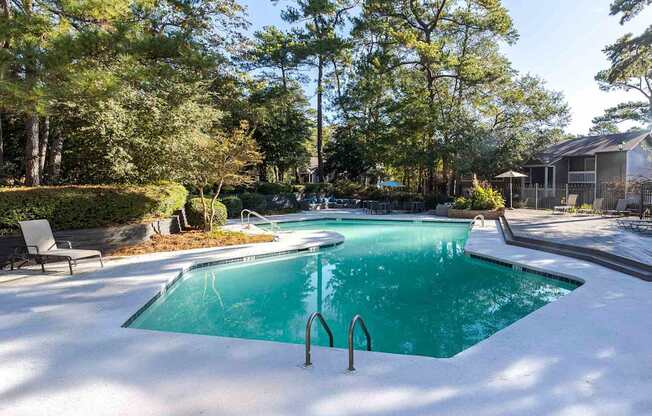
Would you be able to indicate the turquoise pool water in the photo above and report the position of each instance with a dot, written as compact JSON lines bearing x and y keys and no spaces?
{"x":411,"y":282}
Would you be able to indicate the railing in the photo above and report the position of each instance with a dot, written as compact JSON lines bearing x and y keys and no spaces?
{"x":312,"y":317}
{"x":273,"y":225}
{"x":355,"y":320}
{"x":581,"y":176}
{"x":479,"y":216}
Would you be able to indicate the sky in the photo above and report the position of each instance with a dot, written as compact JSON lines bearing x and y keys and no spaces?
{"x":560,"y":41}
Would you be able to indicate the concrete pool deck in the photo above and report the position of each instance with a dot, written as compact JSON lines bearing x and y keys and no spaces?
{"x":589,"y":231}
{"x":63,"y":352}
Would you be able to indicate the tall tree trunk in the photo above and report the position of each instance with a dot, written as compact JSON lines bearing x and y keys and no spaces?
{"x":2,"y":149}
{"x":55,"y":154}
{"x":446,"y":172}
{"x":320,"y":119}
{"x":6,"y":13}
{"x":32,"y":177}
{"x":44,"y":137}
{"x":262,"y":172}
{"x":31,"y":156}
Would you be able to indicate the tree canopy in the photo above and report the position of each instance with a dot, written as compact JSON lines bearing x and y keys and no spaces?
{"x":630,"y":58}
{"x":139,"y":90}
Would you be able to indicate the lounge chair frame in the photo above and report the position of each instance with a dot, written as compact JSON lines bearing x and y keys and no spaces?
{"x":41,"y":256}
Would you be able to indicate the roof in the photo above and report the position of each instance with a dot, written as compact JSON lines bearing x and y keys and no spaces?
{"x":590,"y":145}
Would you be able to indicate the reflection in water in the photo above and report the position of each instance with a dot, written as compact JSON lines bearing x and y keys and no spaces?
{"x":413,"y":285}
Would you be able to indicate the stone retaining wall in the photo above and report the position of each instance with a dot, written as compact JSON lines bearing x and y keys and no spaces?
{"x":103,"y":239}
{"x":470,"y":213}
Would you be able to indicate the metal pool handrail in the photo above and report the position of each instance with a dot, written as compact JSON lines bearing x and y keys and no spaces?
{"x":355,"y":320}
{"x":249,"y":212}
{"x":481,"y":218}
{"x":312,"y":317}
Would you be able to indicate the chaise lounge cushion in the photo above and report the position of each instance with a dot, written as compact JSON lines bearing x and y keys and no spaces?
{"x":74,"y":254}
{"x":38,"y":234}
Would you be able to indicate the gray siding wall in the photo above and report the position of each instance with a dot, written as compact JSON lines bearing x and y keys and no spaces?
{"x":561,"y":171}
{"x":639,"y":161}
{"x":611,"y":166}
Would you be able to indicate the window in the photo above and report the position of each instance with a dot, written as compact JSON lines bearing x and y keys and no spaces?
{"x":589,"y":163}
{"x":582,"y":164}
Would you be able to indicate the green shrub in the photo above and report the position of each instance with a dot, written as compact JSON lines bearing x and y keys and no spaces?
{"x":317,"y":188}
{"x":462,"y":203}
{"x":348,"y":189}
{"x":76,"y":207}
{"x":195,"y":212}
{"x":486,"y":198}
{"x":432,"y":200}
{"x":271,"y":188}
{"x":253,"y":201}
{"x":403,"y":196}
{"x":233,"y":205}
{"x":374,"y":193}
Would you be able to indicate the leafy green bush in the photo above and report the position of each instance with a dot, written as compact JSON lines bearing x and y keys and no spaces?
{"x":348,"y":189}
{"x":299,"y":189}
{"x":271,"y":188}
{"x":316,"y":188}
{"x":486,"y":198}
{"x":233,"y":205}
{"x":462,"y":203}
{"x":403,"y":196}
{"x":76,"y":207}
{"x":372,"y":192}
{"x":432,"y":200}
{"x":253,"y":201}
{"x":195,"y":212}
{"x":280,"y":202}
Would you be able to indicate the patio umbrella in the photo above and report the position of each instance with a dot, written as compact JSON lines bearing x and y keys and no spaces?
{"x":511,"y":174}
{"x":390,"y":184}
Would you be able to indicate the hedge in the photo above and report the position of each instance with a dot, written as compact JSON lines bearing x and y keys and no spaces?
{"x":254,"y":202}
{"x":89,"y":206}
{"x":195,"y":212}
{"x":273,"y":188}
{"x":233,"y":206}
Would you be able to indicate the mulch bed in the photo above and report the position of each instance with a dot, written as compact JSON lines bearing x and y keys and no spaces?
{"x":188,"y":240}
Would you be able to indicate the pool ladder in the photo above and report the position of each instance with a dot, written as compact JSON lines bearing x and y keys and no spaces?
{"x":273,"y":225}
{"x":355,"y":320}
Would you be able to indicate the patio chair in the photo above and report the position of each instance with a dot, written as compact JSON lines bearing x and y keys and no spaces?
{"x":596,"y":207}
{"x":621,"y":208}
{"x":570,"y":204}
{"x":41,"y":245}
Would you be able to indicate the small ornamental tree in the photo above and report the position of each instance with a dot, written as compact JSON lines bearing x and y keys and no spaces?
{"x":221,"y":159}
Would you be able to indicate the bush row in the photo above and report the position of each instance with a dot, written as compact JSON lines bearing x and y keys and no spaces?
{"x":75,"y":207}
{"x":195,"y":212}
{"x":481,"y":199}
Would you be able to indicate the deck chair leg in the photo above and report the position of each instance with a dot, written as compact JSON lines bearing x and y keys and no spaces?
{"x":101,"y":262}
{"x":70,"y":265}
{"x":42,"y":265}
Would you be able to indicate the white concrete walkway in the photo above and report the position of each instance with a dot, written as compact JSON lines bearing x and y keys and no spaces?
{"x":63,"y":352}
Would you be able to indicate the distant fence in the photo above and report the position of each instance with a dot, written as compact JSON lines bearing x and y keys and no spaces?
{"x":646,"y":197}
{"x":535,"y":196}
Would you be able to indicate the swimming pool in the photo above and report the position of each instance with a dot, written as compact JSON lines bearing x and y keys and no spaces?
{"x":411,"y":282}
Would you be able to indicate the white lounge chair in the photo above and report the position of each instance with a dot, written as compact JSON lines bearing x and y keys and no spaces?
{"x":570,"y":204}
{"x":596,"y":207}
{"x":621,"y":208}
{"x":41,"y":245}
